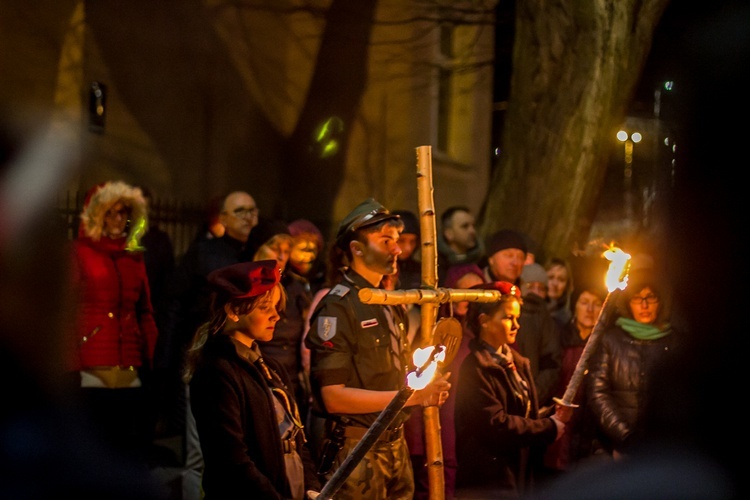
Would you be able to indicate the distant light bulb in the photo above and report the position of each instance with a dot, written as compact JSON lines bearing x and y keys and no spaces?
{"x":636,"y":136}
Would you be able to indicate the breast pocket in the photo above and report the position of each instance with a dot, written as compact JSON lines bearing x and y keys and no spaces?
{"x":374,"y":360}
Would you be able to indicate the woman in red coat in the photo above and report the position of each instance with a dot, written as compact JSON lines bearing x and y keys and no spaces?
{"x":115,"y":332}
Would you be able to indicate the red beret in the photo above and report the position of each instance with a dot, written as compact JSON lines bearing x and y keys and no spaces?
{"x":247,"y":279}
{"x":504,"y":287}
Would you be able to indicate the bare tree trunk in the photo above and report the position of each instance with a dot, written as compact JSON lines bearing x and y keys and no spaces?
{"x":575,"y":67}
{"x":315,"y":164}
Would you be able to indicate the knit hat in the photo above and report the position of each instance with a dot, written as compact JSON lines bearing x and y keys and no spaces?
{"x":534,"y":273}
{"x":246,"y":279}
{"x":458,"y":271}
{"x":301,"y":227}
{"x":505,"y":238}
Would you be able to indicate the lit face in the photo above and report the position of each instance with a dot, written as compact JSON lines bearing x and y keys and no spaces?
{"x":587,"y":310}
{"x":259,"y":323}
{"x":461,"y":234}
{"x":408,"y":243}
{"x":116,"y":220}
{"x":239,"y":215}
{"x":380,"y":252}
{"x":304,"y":253}
{"x":644,"y":306}
{"x":507,"y":264}
{"x":557,"y":281}
{"x":466,"y":281}
{"x":502,"y":326}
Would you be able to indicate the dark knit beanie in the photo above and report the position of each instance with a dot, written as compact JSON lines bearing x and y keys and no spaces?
{"x":505,"y":238}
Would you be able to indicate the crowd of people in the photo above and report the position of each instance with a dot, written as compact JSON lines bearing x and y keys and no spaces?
{"x":263,"y":368}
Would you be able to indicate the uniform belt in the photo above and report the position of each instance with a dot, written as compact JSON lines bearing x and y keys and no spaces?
{"x":388,"y":436}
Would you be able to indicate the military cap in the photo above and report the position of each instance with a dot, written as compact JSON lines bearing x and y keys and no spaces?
{"x":365,"y":214}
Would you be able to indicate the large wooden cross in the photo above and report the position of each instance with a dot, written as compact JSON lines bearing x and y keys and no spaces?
{"x":429,"y":297}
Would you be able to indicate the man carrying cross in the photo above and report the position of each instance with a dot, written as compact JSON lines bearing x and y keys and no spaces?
{"x":359,"y":359}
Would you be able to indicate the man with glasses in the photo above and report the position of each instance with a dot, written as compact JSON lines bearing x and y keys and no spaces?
{"x":186,"y":305}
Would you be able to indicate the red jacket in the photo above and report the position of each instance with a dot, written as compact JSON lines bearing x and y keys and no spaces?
{"x":115,"y":322}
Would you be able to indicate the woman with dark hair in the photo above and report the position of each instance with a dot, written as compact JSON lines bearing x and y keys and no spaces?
{"x":640,"y":340}
{"x":497,"y":413}
{"x":248,"y":423}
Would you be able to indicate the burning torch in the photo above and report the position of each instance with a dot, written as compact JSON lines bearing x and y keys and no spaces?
{"x":616,"y":280}
{"x":426,"y":360}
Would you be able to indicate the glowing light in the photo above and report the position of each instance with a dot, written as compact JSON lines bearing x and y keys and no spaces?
{"x":617,"y":273}
{"x":622,"y":136}
{"x":419,"y":378}
{"x":668,"y":85}
{"x":636,"y":137}
{"x":327,"y":136}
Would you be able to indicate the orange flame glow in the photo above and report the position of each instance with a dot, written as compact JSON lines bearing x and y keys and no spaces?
{"x":417,"y":380}
{"x":617,"y":274}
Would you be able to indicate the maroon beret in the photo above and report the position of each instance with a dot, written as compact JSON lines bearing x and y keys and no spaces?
{"x":504,"y":287}
{"x":247,"y":279}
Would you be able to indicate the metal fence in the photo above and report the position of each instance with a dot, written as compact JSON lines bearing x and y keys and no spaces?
{"x":181,"y":220}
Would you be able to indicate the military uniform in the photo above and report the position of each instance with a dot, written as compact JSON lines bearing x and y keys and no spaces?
{"x":351,"y":343}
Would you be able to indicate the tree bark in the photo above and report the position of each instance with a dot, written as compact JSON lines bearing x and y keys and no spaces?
{"x":575,"y":68}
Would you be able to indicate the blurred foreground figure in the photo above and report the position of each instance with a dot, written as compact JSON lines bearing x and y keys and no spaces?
{"x":47,"y":448}
{"x":689,"y":437}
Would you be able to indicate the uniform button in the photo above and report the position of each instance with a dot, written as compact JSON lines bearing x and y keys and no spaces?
{"x":111,"y":315}
{"x":377,"y":341}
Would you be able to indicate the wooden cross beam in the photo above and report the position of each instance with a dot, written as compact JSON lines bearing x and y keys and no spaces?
{"x":429,"y":296}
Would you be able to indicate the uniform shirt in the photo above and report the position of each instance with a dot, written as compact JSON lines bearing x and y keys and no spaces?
{"x":350,"y":344}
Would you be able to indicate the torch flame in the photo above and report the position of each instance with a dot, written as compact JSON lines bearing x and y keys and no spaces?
{"x":617,"y":274}
{"x":427,"y":365}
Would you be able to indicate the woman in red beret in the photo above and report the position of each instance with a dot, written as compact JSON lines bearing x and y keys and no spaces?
{"x":249,"y":426}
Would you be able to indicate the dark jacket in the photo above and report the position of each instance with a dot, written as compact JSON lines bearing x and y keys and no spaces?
{"x":495,"y":435}
{"x":619,"y":382}
{"x":539,"y":340}
{"x":236,"y":420}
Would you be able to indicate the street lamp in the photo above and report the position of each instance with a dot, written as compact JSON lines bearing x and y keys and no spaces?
{"x":629,"y":140}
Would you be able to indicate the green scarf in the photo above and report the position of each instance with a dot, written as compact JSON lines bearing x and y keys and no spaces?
{"x":642,"y":331}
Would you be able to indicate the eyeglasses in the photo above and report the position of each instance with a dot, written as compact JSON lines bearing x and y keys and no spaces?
{"x":648,"y":299}
{"x":243,"y":212}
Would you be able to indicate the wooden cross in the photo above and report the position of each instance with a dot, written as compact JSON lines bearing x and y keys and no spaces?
{"x":429,"y":296}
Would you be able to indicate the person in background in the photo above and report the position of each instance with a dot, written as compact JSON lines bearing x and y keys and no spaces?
{"x":409,"y":268}
{"x":641,"y":339}
{"x":498,"y":425}
{"x":534,"y":280}
{"x":187,"y":305}
{"x":579,"y":441}
{"x":115,"y":332}
{"x":306,"y":251}
{"x":538,"y":338}
{"x":285,"y":346}
{"x":457,"y":240}
{"x":212,"y":226}
{"x":463,"y":276}
{"x":49,"y":446}
{"x":158,"y":256}
{"x":560,"y":285}
{"x":249,"y":425}
{"x":359,"y":359}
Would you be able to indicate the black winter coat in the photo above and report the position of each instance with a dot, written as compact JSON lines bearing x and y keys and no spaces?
{"x":239,"y":435}
{"x":619,"y":380}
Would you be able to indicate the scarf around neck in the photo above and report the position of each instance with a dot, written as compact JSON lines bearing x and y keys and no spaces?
{"x":643,"y":331}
